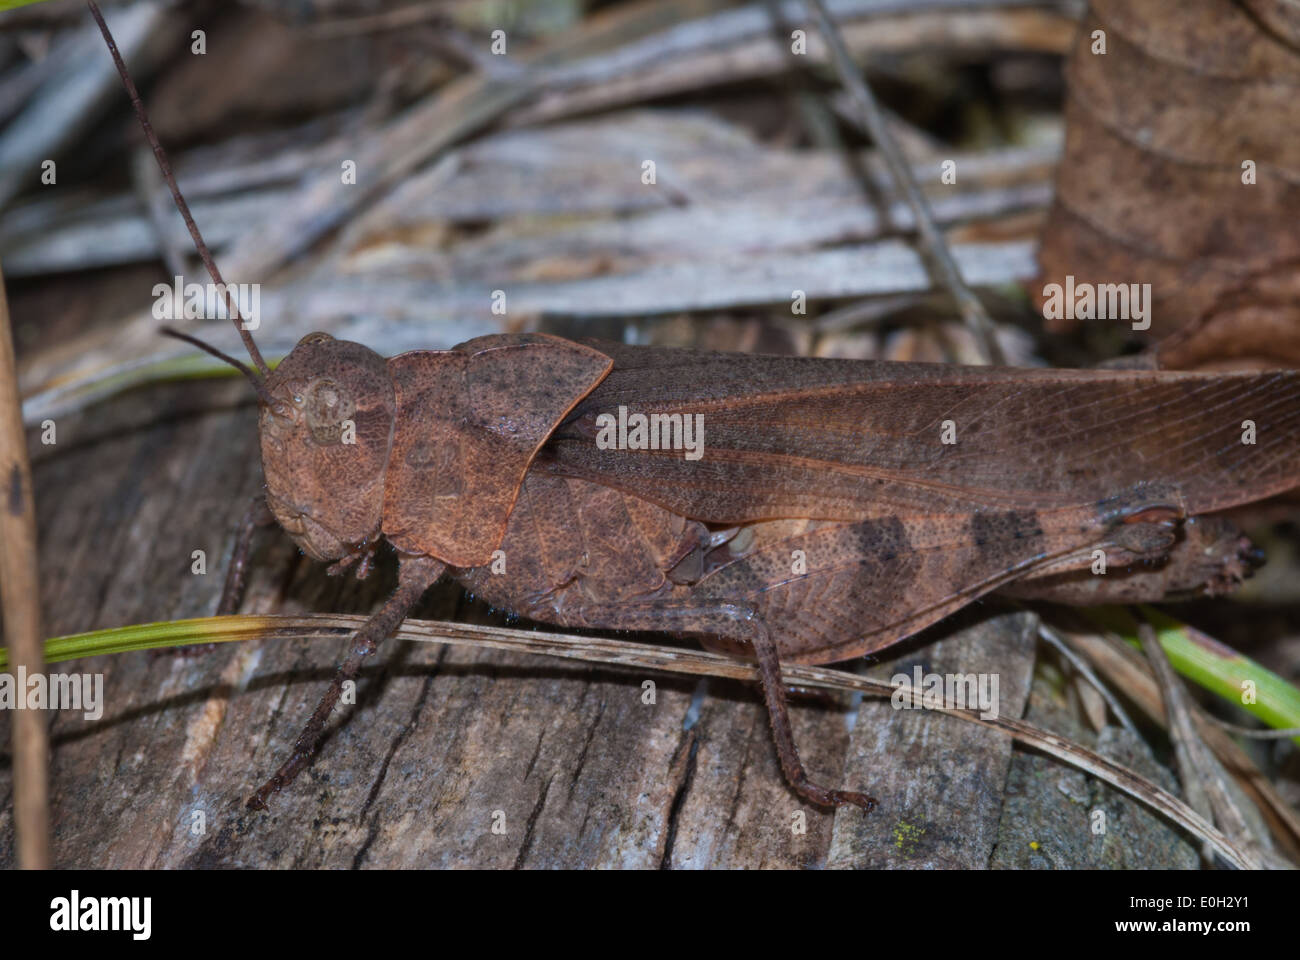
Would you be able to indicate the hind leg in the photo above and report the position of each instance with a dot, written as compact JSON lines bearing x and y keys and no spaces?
{"x":733,"y":621}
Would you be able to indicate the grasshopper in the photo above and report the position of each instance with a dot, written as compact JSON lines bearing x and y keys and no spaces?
{"x":781,"y":508}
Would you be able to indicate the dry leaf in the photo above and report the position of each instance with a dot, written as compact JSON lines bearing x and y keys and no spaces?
{"x":1181,"y":169}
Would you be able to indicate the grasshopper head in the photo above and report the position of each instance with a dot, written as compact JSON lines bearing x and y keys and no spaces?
{"x":326,"y":430}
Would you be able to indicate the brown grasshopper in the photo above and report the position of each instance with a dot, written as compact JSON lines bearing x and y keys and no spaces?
{"x":836,"y":508}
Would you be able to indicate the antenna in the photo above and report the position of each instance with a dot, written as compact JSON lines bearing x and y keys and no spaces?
{"x":258,"y":383}
{"x":204,"y":253}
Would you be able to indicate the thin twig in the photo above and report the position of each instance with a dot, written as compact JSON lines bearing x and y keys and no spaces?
{"x":1177,"y":725}
{"x":943,"y":269}
{"x":1254,"y":733}
{"x":21,"y":598}
{"x":1057,"y":641}
{"x":642,"y":656}
{"x":1132,"y":673}
{"x":711,"y":664}
{"x":1203,"y":777}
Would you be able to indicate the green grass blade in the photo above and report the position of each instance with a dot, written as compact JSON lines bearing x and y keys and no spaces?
{"x":1213,"y":665}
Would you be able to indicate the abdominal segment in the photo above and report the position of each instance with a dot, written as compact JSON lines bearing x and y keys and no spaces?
{"x":833,"y":591}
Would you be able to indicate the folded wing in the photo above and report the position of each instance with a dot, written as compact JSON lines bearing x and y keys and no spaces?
{"x":852,"y":440}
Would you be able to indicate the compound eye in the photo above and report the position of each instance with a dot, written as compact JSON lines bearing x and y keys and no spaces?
{"x":317,"y":337}
{"x":328,"y":404}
